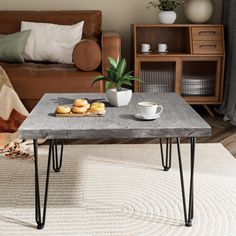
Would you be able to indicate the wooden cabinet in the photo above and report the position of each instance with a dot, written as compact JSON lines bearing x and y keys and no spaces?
{"x":193,"y":66}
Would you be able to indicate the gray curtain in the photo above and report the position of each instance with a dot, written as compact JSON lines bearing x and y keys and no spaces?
{"x":228,"y":107}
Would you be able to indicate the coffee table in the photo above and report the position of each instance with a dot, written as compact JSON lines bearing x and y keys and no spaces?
{"x":177,"y":120}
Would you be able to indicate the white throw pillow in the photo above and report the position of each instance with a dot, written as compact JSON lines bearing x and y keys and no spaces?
{"x":51,"y":42}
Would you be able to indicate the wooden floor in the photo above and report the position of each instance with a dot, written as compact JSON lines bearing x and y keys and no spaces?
{"x":223,"y":132}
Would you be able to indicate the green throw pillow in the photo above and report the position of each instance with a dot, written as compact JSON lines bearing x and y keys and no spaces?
{"x":12,"y":46}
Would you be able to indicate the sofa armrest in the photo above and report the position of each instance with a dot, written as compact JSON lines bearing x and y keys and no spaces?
{"x":111,"y":47}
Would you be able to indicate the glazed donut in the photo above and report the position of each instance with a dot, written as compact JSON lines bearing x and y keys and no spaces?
{"x":79,"y":110}
{"x":80,"y":102}
{"x":63,"y":109}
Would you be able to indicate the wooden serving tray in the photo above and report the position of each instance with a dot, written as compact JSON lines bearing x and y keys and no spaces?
{"x":87,"y":114}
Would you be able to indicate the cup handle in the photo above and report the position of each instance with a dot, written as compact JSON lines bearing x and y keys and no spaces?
{"x":161,"y":109}
{"x":149,"y":47}
{"x":166,"y":48}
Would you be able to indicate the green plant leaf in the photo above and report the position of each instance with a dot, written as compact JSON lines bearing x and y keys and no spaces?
{"x":121,"y":67}
{"x":112,"y":74}
{"x":132,"y":78}
{"x":128,"y":74}
{"x":136,"y":78}
{"x":99,"y":78}
{"x":127,"y":82}
{"x":117,"y":60}
{"x":118,"y":85}
{"x":112,"y":62}
{"x":166,"y":5}
{"x":108,"y":85}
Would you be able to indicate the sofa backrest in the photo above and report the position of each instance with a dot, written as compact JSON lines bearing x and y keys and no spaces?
{"x":10,"y":21}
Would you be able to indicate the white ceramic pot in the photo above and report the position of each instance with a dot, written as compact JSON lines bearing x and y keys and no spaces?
{"x":167,"y":17}
{"x":198,"y":11}
{"x":119,"y":98}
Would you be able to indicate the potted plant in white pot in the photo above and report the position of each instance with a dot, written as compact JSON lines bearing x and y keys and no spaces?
{"x":167,"y":8}
{"x":114,"y":80}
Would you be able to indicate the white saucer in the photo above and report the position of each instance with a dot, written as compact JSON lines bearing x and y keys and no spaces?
{"x":140,"y":117}
{"x":162,"y":51}
{"x":146,"y":52}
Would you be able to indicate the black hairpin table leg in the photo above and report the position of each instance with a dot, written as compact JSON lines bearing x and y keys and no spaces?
{"x":188,"y":217}
{"x":40,"y":220}
{"x":57,"y":163}
{"x":166,"y":161}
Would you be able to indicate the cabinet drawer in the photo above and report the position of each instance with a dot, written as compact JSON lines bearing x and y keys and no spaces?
{"x":207,"y":47}
{"x":206,"y":33}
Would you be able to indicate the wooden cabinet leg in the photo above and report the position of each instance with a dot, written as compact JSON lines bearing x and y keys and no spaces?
{"x":209,"y":111}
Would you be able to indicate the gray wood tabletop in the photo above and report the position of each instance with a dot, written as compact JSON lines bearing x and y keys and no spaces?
{"x":178,"y":119}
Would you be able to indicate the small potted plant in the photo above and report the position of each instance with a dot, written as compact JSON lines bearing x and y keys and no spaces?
{"x":117,"y":77}
{"x":167,"y":8}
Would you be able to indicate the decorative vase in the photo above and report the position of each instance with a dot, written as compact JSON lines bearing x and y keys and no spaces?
{"x":119,"y":98}
{"x":198,"y":11}
{"x":167,"y":17}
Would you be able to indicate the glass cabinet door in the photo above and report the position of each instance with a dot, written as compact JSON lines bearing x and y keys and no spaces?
{"x":198,"y":78}
{"x":158,"y":77}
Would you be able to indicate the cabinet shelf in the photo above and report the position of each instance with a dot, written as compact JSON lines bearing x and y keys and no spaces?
{"x":170,"y":54}
{"x":193,"y":66}
{"x":159,"y":54}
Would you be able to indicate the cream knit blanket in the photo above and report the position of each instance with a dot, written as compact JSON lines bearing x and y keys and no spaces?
{"x":12,"y":114}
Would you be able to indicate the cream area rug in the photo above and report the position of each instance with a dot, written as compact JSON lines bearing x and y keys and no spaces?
{"x":121,"y":190}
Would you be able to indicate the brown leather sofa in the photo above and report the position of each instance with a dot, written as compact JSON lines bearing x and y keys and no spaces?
{"x":31,"y":80}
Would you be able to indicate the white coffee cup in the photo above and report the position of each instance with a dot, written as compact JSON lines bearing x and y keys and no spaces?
{"x":149,"y":109}
{"x":162,"y":47}
{"x":145,"y":47}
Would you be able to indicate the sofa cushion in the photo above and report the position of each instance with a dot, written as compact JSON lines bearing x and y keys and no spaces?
{"x":51,"y":42}
{"x":87,"y":55}
{"x":58,"y":78}
{"x":12,"y":46}
{"x":11,"y":20}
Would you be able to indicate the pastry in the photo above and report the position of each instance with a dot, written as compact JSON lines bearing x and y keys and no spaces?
{"x":87,"y":106}
{"x":63,"y":109}
{"x":98,"y":104}
{"x":80,"y":102}
{"x":79,"y":110}
{"x":97,"y":107}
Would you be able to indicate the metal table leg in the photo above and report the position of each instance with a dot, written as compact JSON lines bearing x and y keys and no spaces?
{"x":57,"y":163}
{"x":40,"y":220}
{"x":166,"y":162}
{"x":188,"y":217}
